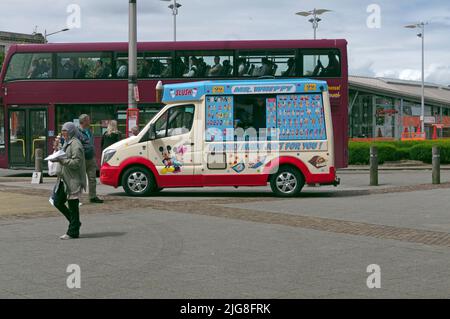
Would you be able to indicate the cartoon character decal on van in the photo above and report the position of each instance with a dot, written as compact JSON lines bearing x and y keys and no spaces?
{"x":258,"y":162}
{"x":172,"y":164}
{"x":237,"y":165}
{"x":318,"y":161}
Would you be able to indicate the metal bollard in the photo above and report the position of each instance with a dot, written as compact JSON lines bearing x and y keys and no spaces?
{"x":436,"y":165}
{"x":38,"y":162}
{"x":373,"y":166}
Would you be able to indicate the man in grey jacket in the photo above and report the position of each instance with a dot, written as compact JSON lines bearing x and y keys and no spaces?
{"x":87,"y":139}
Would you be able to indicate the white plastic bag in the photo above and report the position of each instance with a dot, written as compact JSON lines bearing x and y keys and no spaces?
{"x":54,"y":168}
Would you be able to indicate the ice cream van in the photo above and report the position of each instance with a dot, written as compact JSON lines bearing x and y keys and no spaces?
{"x":230,"y":133}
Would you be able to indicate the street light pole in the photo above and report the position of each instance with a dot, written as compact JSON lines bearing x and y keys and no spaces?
{"x":315,"y":13}
{"x":421,"y":26}
{"x":423,"y":78}
{"x":175,"y":12}
{"x":174,"y":7}
{"x":132,"y":55}
{"x":52,"y":33}
{"x":315,"y":23}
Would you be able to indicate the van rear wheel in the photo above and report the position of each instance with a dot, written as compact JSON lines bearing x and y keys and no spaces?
{"x":287,"y":182}
{"x":138,"y":181}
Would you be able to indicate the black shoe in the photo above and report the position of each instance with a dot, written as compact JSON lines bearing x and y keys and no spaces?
{"x":96,"y":200}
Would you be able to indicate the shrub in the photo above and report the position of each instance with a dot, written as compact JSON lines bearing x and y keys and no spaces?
{"x":402,"y":153}
{"x":386,"y":153}
{"x":421,"y":153}
{"x":359,"y":152}
{"x":445,"y":155}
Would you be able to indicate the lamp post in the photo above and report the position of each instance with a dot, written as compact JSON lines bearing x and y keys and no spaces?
{"x":421,"y":26}
{"x":132,"y":65}
{"x":52,"y":33}
{"x":315,"y":13}
{"x":174,"y":7}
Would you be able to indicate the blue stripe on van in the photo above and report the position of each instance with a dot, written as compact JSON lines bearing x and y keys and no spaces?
{"x":194,"y":91}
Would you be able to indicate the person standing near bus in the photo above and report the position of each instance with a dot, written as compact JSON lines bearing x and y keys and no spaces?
{"x":87,"y":139}
{"x":112,"y":135}
{"x":135,"y":131}
{"x":73,"y":174}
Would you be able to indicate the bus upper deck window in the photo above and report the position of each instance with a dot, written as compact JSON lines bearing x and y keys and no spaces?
{"x":322,"y":64}
{"x":280,"y":63}
{"x":30,"y":66}
{"x":204,"y":64}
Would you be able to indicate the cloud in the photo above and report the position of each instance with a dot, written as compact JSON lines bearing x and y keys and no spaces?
{"x":390,"y":50}
{"x":438,"y":73}
{"x":362,"y":68}
{"x":434,"y":73}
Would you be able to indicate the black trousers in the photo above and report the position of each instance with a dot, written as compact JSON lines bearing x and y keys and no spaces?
{"x":72,"y":214}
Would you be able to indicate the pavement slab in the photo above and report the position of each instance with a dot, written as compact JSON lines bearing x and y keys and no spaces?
{"x":226,"y":243}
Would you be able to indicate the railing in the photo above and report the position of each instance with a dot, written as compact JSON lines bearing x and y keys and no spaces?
{"x":372,"y":139}
{"x":413,"y":136}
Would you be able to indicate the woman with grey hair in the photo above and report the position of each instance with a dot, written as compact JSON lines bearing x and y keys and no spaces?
{"x":73,"y":174}
{"x":112,"y":135}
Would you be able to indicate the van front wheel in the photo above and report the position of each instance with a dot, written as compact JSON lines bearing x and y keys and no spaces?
{"x":138,"y":181}
{"x":287,"y":182}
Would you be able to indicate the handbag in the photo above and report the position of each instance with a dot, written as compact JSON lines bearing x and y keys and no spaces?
{"x":59,"y":193}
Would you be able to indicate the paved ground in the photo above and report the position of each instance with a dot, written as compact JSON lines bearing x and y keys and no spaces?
{"x":227,"y":243}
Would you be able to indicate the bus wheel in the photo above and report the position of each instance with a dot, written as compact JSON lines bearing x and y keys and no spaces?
{"x":287,"y":182}
{"x":138,"y":181}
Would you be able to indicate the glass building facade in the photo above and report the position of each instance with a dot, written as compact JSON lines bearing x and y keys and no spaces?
{"x":379,"y":115}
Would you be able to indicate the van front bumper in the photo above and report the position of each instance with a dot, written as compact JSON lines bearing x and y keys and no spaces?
{"x":109,"y":175}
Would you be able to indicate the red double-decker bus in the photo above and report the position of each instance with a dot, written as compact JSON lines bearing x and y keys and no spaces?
{"x":43,"y":86}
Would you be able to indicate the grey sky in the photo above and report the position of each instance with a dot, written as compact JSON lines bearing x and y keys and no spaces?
{"x":390,"y":51}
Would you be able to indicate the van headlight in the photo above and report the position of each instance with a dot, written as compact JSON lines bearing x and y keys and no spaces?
{"x":107,"y":155}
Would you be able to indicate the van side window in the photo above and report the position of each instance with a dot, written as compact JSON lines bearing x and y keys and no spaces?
{"x":180,"y":120}
{"x":175,"y":121}
{"x":161,"y":125}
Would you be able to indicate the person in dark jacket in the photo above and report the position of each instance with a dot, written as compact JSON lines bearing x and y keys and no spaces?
{"x":111,"y":136}
{"x":87,"y":139}
{"x":73,"y":174}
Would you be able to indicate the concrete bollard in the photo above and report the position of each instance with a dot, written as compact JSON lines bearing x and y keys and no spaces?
{"x":373,"y":166}
{"x":436,"y":165}
{"x":38,"y":162}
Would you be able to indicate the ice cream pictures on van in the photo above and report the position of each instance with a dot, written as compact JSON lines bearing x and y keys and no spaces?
{"x":230,"y":133}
